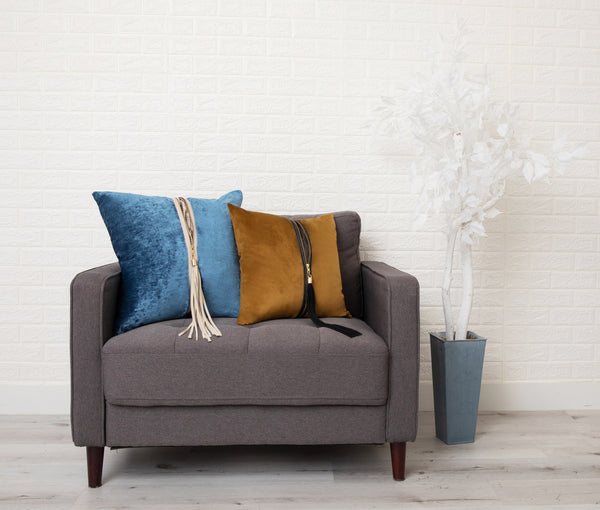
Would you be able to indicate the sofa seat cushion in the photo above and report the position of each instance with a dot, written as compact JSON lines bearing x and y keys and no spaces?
{"x":278,"y":362}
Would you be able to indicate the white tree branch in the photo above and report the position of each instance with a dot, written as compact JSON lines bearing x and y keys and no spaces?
{"x":467,"y":292}
{"x":447,"y":285}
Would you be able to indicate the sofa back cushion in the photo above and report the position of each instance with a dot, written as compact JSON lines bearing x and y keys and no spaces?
{"x":147,"y":238}
{"x":272,"y":272}
{"x":348,"y":242}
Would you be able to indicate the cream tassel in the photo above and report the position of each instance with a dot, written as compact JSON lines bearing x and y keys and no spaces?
{"x":201,"y":320}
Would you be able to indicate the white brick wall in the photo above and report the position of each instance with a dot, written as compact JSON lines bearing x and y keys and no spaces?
{"x":200,"y":97}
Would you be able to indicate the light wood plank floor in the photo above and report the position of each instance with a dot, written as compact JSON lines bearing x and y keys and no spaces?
{"x":519,"y":461}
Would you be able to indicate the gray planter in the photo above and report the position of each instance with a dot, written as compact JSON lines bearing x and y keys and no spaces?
{"x":456,"y":370}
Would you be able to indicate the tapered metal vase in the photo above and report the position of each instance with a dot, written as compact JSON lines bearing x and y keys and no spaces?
{"x":456,"y":369}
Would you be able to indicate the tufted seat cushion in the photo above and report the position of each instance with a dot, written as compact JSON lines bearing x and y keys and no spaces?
{"x":280,"y":362}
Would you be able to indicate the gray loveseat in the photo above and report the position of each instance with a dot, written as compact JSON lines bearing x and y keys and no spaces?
{"x":276,"y":382}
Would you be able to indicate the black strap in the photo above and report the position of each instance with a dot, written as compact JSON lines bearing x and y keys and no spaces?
{"x":308,"y":303}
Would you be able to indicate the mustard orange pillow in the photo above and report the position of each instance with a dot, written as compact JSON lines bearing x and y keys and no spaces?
{"x":271,"y":271}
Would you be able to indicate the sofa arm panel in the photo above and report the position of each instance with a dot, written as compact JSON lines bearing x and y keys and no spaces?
{"x":391,"y":309}
{"x":94,"y":298}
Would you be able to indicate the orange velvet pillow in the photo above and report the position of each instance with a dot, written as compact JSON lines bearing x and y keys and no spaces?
{"x":271,"y":271}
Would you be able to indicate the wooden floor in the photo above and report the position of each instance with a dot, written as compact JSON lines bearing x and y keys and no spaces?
{"x":518,"y":461}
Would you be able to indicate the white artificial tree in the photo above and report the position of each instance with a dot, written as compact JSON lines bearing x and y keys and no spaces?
{"x":468,"y":146}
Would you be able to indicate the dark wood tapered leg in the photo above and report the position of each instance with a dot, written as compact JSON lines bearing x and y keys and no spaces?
{"x":398,"y":460}
{"x":95,"y":459}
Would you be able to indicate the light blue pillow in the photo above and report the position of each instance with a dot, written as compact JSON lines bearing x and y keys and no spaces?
{"x":147,"y":238}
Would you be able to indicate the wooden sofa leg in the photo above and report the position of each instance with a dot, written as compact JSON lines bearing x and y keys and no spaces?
{"x":398,"y":451}
{"x":95,"y":459}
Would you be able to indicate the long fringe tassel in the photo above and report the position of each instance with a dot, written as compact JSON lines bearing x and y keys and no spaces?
{"x":201,"y":320}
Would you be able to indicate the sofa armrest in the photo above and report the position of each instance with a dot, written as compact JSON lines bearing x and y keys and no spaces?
{"x":391,"y":309}
{"x":94,"y":298}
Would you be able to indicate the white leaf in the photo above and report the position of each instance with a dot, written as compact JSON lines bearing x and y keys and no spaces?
{"x":466,"y":237}
{"x":481,"y":153}
{"x":413,"y":169}
{"x":559,"y":143}
{"x":492,"y":213}
{"x":477,"y":228}
{"x":516,"y":164}
{"x":541,"y":171}
{"x":580,"y":151}
{"x":564,"y":156}
{"x":465,"y":216}
{"x":417,"y":184}
{"x":538,"y":158}
{"x":472,"y":201}
{"x":528,"y":171}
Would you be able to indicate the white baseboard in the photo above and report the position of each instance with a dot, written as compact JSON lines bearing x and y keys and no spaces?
{"x":520,"y":396}
{"x":528,"y":396}
{"x":35,"y":398}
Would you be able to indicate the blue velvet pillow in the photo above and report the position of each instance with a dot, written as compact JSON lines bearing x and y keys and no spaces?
{"x":147,"y":238}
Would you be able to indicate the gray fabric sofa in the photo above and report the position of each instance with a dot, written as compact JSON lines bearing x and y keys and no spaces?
{"x":276,"y":382}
